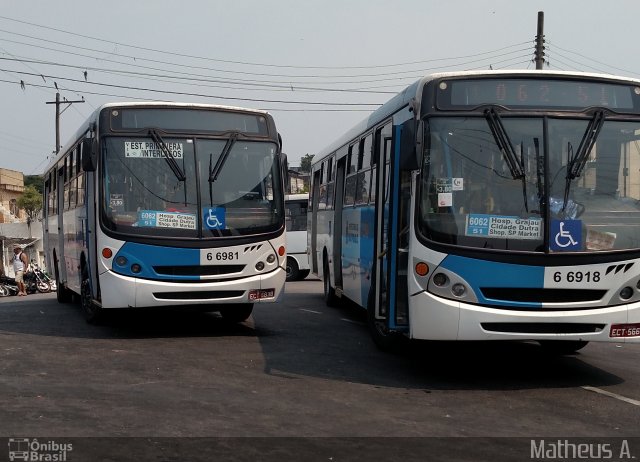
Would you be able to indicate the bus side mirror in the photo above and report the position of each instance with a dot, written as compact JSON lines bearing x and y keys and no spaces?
{"x":89,"y":154}
{"x":410,"y":143}
{"x":284,"y":166}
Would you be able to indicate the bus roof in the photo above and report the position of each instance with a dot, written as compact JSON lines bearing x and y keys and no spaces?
{"x":414,"y":91}
{"x":159,"y":104}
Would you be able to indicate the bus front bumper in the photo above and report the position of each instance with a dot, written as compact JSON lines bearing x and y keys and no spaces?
{"x":435,"y":318}
{"x":125,"y":292}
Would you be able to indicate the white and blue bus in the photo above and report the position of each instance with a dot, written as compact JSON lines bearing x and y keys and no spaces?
{"x":488,"y":206}
{"x":168,"y":204}
{"x":296,"y":223}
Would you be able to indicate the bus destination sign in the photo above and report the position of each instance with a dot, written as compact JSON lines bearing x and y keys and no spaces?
{"x":533,"y":93}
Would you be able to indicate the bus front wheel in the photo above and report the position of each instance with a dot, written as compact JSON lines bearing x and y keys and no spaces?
{"x":92,"y":312}
{"x":62,"y":293}
{"x":562,"y":347}
{"x":330,"y":297}
{"x":237,"y":313}
{"x":293,"y":271}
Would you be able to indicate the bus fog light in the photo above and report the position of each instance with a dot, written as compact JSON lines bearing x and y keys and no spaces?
{"x":271,"y":258}
{"x":135,"y":268}
{"x":440,"y":279}
{"x":260,"y":266}
{"x":458,"y":289}
{"x":626,"y":293}
{"x":121,"y":261}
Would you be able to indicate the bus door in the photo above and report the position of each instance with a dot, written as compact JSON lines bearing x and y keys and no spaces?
{"x":62,"y":172}
{"x":393,"y":195}
{"x":337,"y":225}
{"x":315,"y":200}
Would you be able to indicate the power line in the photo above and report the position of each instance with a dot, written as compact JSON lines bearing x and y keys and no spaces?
{"x":243,"y":62}
{"x":553,"y":44}
{"x":170,"y":92}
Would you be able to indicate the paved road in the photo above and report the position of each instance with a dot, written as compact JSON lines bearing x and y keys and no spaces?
{"x":298,"y":369}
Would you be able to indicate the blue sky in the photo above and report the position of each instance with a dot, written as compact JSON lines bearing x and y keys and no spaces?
{"x":318,"y":66}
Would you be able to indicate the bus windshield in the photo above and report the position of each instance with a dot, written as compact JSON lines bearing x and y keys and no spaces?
{"x":475,"y":194}
{"x":143,"y":191}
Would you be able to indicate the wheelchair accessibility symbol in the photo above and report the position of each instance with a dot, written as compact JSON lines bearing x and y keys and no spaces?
{"x":214,"y":218}
{"x":566,"y":235}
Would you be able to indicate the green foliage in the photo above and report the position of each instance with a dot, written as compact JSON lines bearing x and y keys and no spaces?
{"x":34,"y":180}
{"x":31,"y":202}
{"x":305,"y":163}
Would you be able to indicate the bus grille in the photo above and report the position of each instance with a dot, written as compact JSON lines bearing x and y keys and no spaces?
{"x":199,"y":295}
{"x":198,"y":270}
{"x":541,"y":327}
{"x":529,"y":295}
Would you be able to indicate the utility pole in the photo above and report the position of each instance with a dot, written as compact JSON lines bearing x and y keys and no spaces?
{"x":57,"y":102}
{"x":539,"y":55}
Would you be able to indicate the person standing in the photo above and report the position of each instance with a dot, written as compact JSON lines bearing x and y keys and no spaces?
{"x":20,"y":262}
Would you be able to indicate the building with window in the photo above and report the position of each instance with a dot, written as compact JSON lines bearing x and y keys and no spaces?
{"x":11,"y":188}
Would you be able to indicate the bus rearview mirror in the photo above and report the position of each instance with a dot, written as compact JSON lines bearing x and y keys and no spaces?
{"x":89,"y":154}
{"x":410,"y":141}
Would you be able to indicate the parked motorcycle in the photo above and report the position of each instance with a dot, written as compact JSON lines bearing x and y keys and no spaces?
{"x":35,"y":280}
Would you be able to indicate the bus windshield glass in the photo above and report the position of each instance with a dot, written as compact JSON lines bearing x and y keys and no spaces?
{"x":474,"y":194}
{"x":143,"y":191}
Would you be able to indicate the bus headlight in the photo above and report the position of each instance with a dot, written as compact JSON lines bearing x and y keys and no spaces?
{"x":121,"y":261}
{"x":440,"y":279}
{"x":260,"y":266}
{"x":626,"y":293}
{"x":271,"y":258}
{"x":135,"y":268}
{"x":458,"y":289}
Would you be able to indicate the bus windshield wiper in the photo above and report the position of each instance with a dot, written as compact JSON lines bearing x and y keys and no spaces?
{"x":577,"y":162}
{"x":168,"y":156}
{"x":213,"y":174}
{"x":501,"y":137}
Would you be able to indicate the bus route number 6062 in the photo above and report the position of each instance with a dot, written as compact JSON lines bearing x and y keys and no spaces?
{"x":222,"y":256}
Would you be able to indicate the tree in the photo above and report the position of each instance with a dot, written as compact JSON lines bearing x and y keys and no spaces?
{"x":34,"y":180}
{"x":31,"y":202}
{"x":305,"y":163}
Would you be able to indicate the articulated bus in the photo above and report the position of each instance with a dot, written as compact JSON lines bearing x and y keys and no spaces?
{"x":165,"y":205}
{"x":296,"y":223}
{"x":500,"y":205}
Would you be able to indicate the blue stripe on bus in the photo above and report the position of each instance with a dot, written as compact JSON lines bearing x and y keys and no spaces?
{"x":148,"y":256}
{"x":480,"y":273}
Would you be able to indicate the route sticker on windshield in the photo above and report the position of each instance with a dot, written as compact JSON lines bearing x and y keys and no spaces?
{"x":157,"y":219}
{"x":151,"y":149}
{"x":565,"y":235}
{"x":503,"y":227}
{"x":447,"y":185}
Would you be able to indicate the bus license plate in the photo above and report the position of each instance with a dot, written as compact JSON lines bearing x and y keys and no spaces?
{"x":625,"y":330}
{"x":259,"y":294}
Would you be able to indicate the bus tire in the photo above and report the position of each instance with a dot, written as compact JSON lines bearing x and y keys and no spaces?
{"x":63,"y":295}
{"x":562,"y":347}
{"x":303,"y":274}
{"x":93,"y":314}
{"x":384,"y":339}
{"x":330,"y":297}
{"x":234,"y":314}
{"x":293,"y":272}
